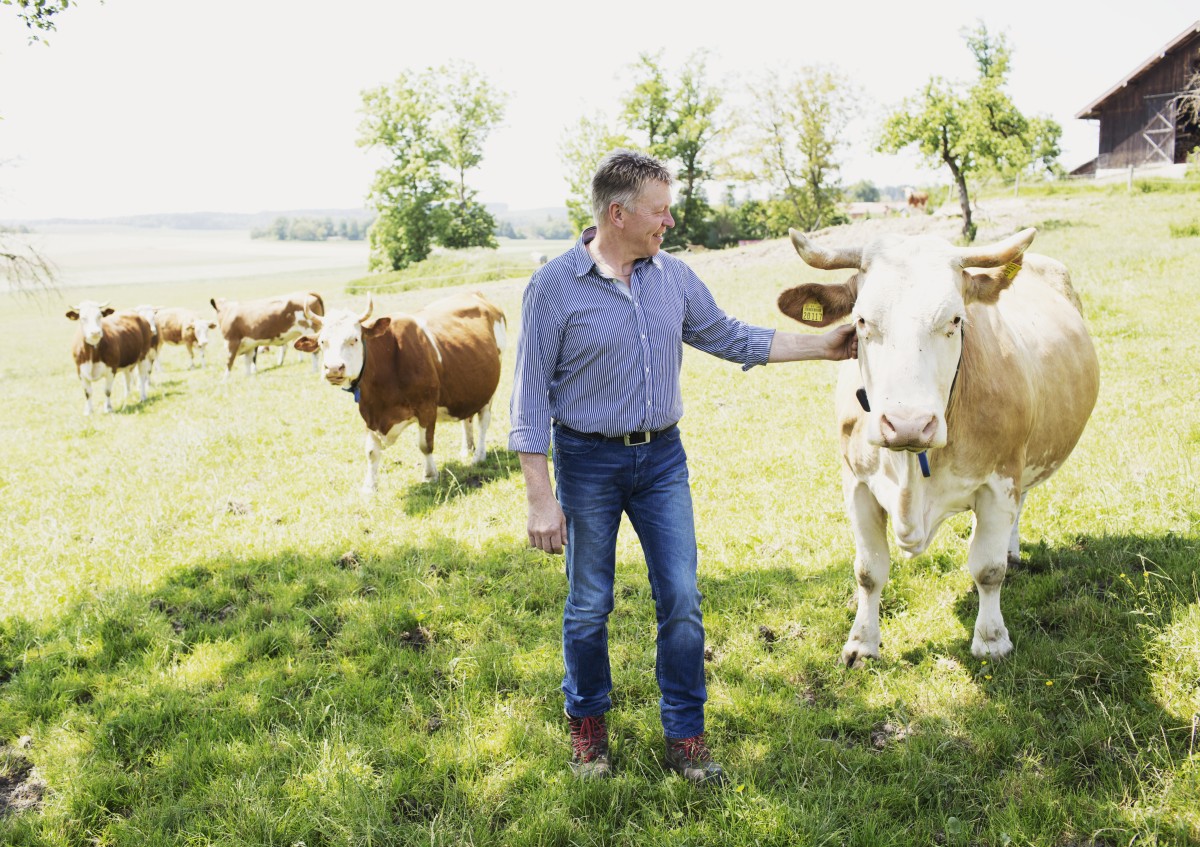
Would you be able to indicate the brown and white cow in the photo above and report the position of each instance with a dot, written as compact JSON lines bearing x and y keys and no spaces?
{"x":108,"y":343}
{"x":272,"y":322}
{"x":184,"y":327}
{"x":974,"y":380}
{"x":440,"y":363}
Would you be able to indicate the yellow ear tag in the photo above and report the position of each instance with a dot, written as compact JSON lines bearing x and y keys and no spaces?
{"x":1011,"y":270}
{"x":812,"y":311}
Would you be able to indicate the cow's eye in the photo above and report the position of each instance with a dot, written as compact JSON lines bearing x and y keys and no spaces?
{"x":955,"y":325}
{"x":351,"y":342}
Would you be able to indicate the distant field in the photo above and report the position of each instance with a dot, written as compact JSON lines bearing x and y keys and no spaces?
{"x":208,"y":638}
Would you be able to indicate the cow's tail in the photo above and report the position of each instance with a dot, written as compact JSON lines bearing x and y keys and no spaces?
{"x":318,"y":306}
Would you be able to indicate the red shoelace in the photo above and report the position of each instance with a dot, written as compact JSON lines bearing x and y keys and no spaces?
{"x":694,"y":748}
{"x":585,"y":734}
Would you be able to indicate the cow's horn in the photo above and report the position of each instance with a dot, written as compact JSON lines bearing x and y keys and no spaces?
{"x":314,"y":319}
{"x":827,"y":259}
{"x":370,"y":308}
{"x":998,"y":253}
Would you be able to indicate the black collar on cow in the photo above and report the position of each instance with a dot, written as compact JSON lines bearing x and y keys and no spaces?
{"x":353,"y":388}
{"x":922,"y":458}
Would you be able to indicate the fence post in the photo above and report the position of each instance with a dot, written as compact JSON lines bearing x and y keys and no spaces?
{"x":1129,"y":182}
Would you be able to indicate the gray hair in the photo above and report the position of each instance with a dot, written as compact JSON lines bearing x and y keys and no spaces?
{"x":620,"y":178}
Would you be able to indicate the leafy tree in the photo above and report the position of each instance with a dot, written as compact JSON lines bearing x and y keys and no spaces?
{"x":467,"y":224}
{"x":431,"y":127}
{"x":973,"y":130}
{"x":678,"y":122}
{"x":399,"y":119}
{"x":865,"y":191}
{"x":647,"y":108}
{"x":581,"y":150}
{"x":799,"y":125}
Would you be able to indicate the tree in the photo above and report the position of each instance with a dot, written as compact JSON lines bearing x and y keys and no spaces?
{"x":974,"y":130}
{"x":799,"y":126}
{"x":581,"y":150}
{"x":432,"y":127}
{"x":399,"y":119}
{"x":865,"y":191}
{"x":677,"y":120}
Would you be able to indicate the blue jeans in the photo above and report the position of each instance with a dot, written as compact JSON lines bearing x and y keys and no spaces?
{"x":597,"y":481}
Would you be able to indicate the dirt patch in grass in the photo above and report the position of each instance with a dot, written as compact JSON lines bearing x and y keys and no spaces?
{"x":20,"y":787}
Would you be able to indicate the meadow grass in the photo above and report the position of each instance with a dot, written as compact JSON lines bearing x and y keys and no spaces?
{"x":208,"y":637}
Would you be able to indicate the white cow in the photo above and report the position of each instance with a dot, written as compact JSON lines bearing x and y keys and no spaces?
{"x":974,"y":380}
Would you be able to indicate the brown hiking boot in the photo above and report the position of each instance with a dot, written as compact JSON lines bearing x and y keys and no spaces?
{"x":589,"y":741}
{"x":691,"y":759}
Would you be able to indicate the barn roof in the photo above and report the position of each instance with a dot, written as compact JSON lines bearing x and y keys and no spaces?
{"x":1092,"y":110}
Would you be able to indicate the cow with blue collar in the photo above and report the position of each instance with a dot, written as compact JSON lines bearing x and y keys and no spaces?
{"x":974,"y":379}
{"x":439,"y":363}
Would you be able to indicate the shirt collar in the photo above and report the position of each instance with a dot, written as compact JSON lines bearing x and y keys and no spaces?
{"x":584,"y":262}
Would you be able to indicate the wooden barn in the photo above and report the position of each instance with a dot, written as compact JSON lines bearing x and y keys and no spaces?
{"x":1141,"y":124}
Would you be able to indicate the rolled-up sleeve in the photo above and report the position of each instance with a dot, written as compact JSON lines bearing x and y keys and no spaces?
{"x":706,"y":327}
{"x":537,"y":354}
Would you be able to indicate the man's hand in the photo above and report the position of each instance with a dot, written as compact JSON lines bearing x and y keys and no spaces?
{"x":842,"y":342}
{"x":547,"y":527}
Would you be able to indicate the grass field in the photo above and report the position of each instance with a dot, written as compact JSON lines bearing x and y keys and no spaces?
{"x":207,"y":637}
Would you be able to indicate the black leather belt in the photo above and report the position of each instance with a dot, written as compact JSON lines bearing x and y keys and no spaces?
{"x":631,"y":439}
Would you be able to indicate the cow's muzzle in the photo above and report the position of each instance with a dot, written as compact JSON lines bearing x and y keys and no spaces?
{"x":914,"y":432}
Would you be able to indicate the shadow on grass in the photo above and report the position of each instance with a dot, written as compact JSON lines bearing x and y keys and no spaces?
{"x":459,"y":479}
{"x":390,"y":693}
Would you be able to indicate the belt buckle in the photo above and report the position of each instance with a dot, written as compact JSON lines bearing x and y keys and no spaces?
{"x":642,"y":438}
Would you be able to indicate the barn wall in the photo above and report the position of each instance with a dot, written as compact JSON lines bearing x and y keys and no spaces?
{"x":1128,"y":112}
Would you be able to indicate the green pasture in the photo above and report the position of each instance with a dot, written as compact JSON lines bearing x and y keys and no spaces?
{"x":208,"y":637}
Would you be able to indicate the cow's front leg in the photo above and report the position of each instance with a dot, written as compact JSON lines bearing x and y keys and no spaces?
{"x":251,"y":359}
{"x":145,"y":366}
{"x":374,"y":447}
{"x":485,"y":420}
{"x":87,"y":395}
{"x":995,"y":515}
{"x":282,"y":352}
{"x":872,"y":565}
{"x":109,"y":376}
{"x":425,"y":444}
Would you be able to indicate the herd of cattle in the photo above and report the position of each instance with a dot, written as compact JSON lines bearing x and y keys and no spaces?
{"x":974,"y":380}
{"x":442,"y":362}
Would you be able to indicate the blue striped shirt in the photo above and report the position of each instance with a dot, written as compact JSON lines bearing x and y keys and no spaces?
{"x":598,"y":360}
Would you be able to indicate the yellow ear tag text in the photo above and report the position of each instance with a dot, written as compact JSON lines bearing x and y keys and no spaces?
{"x":812,"y":312}
{"x":1011,"y":270}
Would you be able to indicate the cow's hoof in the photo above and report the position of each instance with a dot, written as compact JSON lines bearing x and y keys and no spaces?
{"x":996,"y":647}
{"x":855,"y":653}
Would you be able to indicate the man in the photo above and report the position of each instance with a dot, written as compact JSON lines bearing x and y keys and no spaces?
{"x":598,"y":371}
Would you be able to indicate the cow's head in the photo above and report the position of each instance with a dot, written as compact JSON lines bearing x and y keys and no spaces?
{"x":339,"y":337}
{"x":908,"y":300}
{"x":89,"y":313}
{"x":199,"y":329}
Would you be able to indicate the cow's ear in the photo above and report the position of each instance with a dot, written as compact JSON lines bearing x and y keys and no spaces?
{"x":72,"y":315}
{"x":377,"y":327}
{"x":105,"y":312}
{"x":984,"y":285}
{"x":815,"y":304}
{"x":212,"y":324}
{"x":306,"y":344}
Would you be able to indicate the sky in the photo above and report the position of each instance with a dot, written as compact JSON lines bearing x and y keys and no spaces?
{"x":155,"y":106}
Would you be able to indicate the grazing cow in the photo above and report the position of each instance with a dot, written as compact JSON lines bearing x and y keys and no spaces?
{"x":148,"y":313}
{"x":916,"y":199}
{"x":108,"y":343}
{"x":183,"y":326}
{"x":539,"y":259}
{"x":272,"y":322}
{"x":974,"y":380}
{"x":443,"y":362}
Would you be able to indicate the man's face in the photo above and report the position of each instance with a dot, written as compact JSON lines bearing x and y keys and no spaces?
{"x":648,"y":218}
